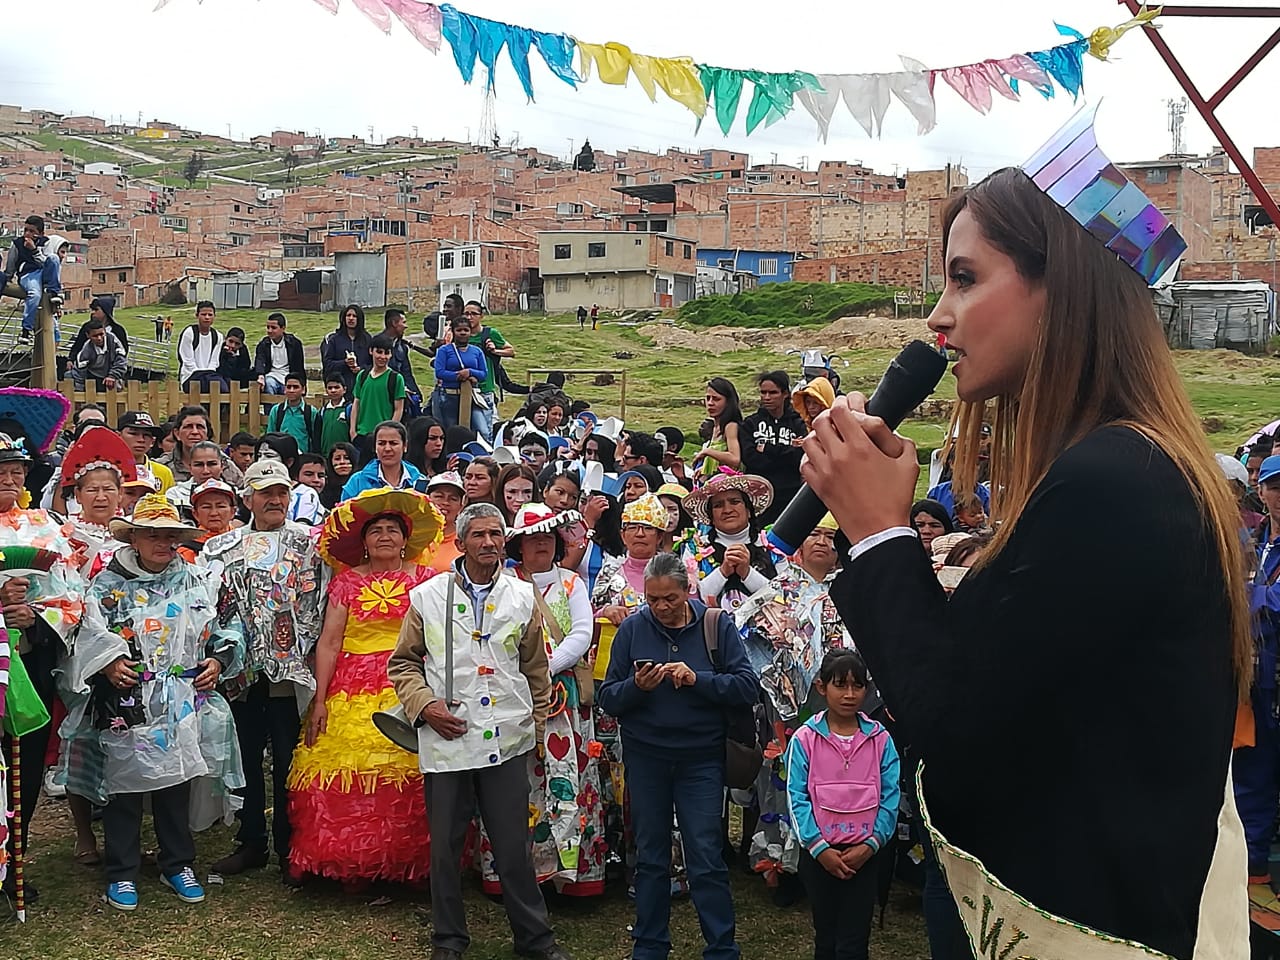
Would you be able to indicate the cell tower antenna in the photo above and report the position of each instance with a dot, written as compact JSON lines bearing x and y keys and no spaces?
{"x":1177,"y":117}
{"x":488,"y":136}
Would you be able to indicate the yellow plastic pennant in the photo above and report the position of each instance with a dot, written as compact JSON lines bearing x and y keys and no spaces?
{"x":1101,"y":40}
{"x":677,"y":76}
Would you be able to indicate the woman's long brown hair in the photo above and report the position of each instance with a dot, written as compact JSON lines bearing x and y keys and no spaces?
{"x":1100,"y":358}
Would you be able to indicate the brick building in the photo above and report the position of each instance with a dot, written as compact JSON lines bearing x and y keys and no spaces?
{"x":617,"y":270}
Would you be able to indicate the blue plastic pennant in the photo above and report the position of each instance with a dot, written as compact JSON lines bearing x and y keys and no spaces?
{"x":1065,"y":63}
{"x":558,"y":52}
{"x":472,"y":38}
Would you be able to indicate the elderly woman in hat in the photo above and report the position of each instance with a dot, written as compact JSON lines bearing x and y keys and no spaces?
{"x":355,"y":805}
{"x":619,"y":589}
{"x":732,"y":562}
{"x":566,"y":808}
{"x":213,"y":505}
{"x":146,"y":716}
{"x":43,"y":607}
{"x":94,"y":472}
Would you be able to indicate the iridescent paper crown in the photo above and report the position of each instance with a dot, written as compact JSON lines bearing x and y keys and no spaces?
{"x":1078,"y":177}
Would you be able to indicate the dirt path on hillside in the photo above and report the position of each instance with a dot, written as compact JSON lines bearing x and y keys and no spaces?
{"x":847,"y":333}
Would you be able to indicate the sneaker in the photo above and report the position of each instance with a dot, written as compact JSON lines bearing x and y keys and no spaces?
{"x":54,"y":791}
{"x":55,"y":302}
{"x":123,"y":895}
{"x":26,"y":336}
{"x":185,"y":885}
{"x":242,"y":859}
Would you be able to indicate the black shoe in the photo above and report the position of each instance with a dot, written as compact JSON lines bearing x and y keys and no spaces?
{"x":444,"y":953}
{"x":242,"y":859}
{"x":10,"y":889}
{"x":293,"y":879}
{"x":55,"y":302}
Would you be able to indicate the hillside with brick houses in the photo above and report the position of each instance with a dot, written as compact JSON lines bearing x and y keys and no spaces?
{"x":291,"y":219}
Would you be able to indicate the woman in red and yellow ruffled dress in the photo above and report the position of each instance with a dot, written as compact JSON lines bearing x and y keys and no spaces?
{"x":355,"y":799}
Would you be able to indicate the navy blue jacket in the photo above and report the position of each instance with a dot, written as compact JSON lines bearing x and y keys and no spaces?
{"x":665,"y":720}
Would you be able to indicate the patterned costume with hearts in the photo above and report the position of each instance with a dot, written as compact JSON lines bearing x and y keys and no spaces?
{"x":566,"y":811}
{"x":355,"y":799}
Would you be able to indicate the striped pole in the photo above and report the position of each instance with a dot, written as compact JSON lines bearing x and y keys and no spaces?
{"x":17,"y":831}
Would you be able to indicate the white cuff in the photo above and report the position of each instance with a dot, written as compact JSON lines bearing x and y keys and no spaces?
{"x":865,"y":544}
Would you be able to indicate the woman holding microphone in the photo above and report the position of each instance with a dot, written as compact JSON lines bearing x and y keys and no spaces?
{"x":1073,"y":702}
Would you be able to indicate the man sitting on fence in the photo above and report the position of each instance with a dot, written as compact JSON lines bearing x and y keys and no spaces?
{"x":199,"y":347}
{"x":33,"y":266}
{"x":277,"y":355}
{"x":101,"y":359}
{"x":104,"y":309}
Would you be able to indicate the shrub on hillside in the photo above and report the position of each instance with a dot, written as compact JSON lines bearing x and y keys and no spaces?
{"x":788,"y":304}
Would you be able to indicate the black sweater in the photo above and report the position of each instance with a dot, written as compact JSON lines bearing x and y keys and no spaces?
{"x":778,"y":461}
{"x":1074,"y":702}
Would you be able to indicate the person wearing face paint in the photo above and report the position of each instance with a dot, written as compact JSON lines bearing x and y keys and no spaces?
{"x":1053,"y":323}
{"x":355,"y":806}
{"x":44,"y":609}
{"x":515,"y":486}
{"x":273,"y":585}
{"x":146,"y":717}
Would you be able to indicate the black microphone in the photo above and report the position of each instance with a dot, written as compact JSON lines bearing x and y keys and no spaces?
{"x":911,"y":377}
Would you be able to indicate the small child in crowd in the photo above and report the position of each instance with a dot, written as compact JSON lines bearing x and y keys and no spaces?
{"x":842,"y":792}
{"x":971,"y":516}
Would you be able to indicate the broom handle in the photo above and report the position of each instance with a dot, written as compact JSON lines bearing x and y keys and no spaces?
{"x":19,"y":888}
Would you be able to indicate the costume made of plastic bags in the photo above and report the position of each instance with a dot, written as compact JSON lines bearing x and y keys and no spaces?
{"x":160,"y":732}
{"x":787,"y":628}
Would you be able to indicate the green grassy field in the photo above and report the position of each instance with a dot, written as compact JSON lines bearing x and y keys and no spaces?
{"x":253,"y":917}
{"x":1234,"y":394}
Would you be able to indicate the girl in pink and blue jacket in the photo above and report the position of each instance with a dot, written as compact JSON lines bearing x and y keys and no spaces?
{"x":842,"y":791}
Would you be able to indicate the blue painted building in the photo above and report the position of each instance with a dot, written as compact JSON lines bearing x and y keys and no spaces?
{"x":771,"y":266}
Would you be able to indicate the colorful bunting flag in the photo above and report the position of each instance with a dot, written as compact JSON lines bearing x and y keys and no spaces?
{"x":866,"y":96}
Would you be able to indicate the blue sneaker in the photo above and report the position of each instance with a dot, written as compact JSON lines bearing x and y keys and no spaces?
{"x":123,"y":895}
{"x":184,"y":884}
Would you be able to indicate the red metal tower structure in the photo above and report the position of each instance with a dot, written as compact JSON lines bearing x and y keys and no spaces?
{"x":1207,"y":106}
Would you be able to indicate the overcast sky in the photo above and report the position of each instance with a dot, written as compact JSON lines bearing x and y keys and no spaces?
{"x":255,"y":65}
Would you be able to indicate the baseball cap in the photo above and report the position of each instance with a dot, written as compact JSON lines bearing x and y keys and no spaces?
{"x":450,"y":478}
{"x":137,"y":420}
{"x":1270,"y":469}
{"x":267,"y":473}
{"x":213,"y":485}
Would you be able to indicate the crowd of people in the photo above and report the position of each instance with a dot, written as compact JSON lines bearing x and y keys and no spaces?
{"x":561,"y":624}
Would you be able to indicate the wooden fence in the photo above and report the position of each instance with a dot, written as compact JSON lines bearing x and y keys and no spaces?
{"x":232,"y":410}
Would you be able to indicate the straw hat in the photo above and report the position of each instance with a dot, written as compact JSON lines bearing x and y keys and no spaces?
{"x":758,"y":489}
{"x":342,"y":537}
{"x":647,"y":510}
{"x":152,"y":512}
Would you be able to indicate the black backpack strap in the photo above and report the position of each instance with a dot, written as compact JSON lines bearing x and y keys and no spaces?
{"x":711,"y":635}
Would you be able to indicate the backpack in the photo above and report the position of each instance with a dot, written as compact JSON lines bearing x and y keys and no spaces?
{"x":743,"y":757}
{"x":194,"y":330}
{"x":310,"y":416}
{"x":392,"y":378}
